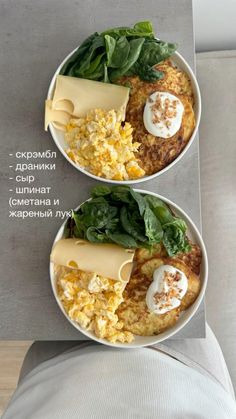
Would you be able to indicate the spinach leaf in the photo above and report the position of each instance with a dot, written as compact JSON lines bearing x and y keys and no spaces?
{"x":117,"y":214}
{"x":135,"y":49}
{"x":96,"y":213}
{"x":160,"y":209}
{"x":78,"y":234}
{"x":122,"y":239}
{"x":146,"y":72}
{"x":78,"y":54}
{"x":139,"y":29}
{"x":144,"y":28}
{"x":96,"y":47}
{"x":94,"y":65}
{"x":153,"y":228}
{"x":100,"y":190}
{"x":94,"y":235}
{"x":120,"y":52}
{"x":132,"y":223}
{"x":155,"y":51}
{"x":106,"y":76}
{"x":175,"y":239}
{"x":80,"y":229}
{"x":117,"y":52}
{"x":110,"y":44}
{"x":121,"y":194}
{"x":69,"y":228}
{"x":140,"y":201}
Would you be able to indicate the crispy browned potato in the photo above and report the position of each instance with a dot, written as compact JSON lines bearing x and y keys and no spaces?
{"x":134,"y":313}
{"x":148,"y":267}
{"x":155,"y":153}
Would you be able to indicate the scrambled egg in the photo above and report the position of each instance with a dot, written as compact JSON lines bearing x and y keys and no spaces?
{"x":116,"y":310}
{"x":92,"y":300}
{"x":103,"y":145}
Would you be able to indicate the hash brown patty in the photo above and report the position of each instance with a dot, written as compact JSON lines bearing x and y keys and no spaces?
{"x":155,"y":153}
{"x":134,"y":313}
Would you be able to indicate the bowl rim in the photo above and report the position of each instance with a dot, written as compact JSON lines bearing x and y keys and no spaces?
{"x":169,"y":332}
{"x":197,"y":96}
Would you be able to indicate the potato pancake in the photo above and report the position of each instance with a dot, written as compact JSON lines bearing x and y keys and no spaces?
{"x":134,"y":313}
{"x":155,"y":153}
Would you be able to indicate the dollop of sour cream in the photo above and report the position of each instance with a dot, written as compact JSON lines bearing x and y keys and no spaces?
{"x":167,"y":289}
{"x":163,"y":114}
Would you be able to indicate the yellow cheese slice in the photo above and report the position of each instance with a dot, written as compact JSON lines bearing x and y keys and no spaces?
{"x":78,"y":96}
{"x":107,"y":260}
{"x":59,"y":119}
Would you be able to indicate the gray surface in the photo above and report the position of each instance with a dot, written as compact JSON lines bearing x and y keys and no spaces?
{"x":218,"y":180}
{"x":214,"y":25}
{"x":35,"y":37}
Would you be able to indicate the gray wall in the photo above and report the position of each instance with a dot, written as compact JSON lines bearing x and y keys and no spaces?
{"x":215,"y":24}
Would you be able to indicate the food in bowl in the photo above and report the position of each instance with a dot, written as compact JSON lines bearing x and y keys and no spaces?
{"x":168,"y":121}
{"x":129,"y":73}
{"x":102,"y":144}
{"x":91,"y":301}
{"x":125,"y":266}
{"x":149,"y":310}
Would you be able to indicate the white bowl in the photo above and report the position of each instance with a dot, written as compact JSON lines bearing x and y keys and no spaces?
{"x":141,"y":341}
{"x":59,"y":140}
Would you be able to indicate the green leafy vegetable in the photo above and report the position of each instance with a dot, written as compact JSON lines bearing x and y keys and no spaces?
{"x":118,"y":214}
{"x":140,"y":201}
{"x":135,"y":49}
{"x":153,"y":227}
{"x":124,"y":240}
{"x":146,"y":72}
{"x":160,"y":209}
{"x":78,"y":55}
{"x":139,"y":29}
{"x":100,"y":191}
{"x":94,"y":235}
{"x":155,"y":51}
{"x":117,"y":52}
{"x":121,"y":194}
{"x":132,"y":224}
{"x":110,"y":44}
{"x":175,"y":239}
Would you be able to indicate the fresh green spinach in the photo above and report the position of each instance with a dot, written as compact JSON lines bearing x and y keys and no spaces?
{"x":117,"y":52}
{"x":160,"y":209}
{"x":134,"y":51}
{"x":153,"y":228}
{"x":174,"y":238}
{"x":139,"y":29}
{"x":118,"y":214}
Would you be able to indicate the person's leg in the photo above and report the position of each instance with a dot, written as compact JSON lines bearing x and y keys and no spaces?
{"x":204,"y":355}
{"x":41,"y":351}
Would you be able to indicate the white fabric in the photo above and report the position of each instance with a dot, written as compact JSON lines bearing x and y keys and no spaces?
{"x":99,"y":382}
{"x":204,"y":355}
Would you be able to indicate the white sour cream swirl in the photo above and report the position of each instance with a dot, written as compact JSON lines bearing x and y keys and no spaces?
{"x":163,"y":114}
{"x":167,"y":289}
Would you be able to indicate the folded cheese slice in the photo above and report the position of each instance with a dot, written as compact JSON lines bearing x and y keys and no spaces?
{"x":78,"y":96}
{"x":108,"y":260}
{"x":59,"y":118}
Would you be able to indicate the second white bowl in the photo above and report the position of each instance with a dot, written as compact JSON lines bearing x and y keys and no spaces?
{"x":185,"y":317}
